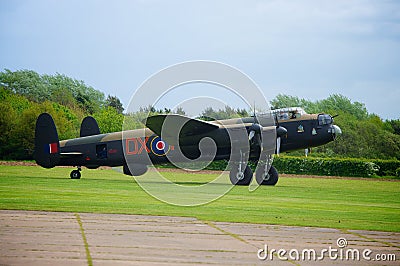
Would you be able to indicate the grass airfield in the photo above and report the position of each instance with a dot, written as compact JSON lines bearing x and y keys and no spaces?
{"x":362,"y":204}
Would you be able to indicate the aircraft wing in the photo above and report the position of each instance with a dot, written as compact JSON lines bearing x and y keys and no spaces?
{"x":190,"y":127}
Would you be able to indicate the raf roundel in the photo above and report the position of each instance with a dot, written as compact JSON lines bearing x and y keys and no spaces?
{"x":159,"y":147}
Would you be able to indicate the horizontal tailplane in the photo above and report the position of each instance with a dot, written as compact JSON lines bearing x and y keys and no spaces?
{"x":47,"y":146}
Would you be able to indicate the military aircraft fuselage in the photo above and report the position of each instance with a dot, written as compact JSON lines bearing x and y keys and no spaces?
{"x":309,"y":130}
{"x":139,"y":148}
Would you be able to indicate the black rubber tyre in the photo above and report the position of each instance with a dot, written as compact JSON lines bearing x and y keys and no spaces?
{"x":270,"y":179}
{"x":245,"y":180}
{"x":75,"y":174}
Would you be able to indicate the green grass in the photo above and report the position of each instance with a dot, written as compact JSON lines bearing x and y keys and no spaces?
{"x":338,"y":203}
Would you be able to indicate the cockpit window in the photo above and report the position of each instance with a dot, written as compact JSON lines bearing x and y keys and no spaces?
{"x":288,"y":113}
{"x":324,"y":120}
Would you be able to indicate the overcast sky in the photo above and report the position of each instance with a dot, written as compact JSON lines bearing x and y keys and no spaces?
{"x":309,"y":49}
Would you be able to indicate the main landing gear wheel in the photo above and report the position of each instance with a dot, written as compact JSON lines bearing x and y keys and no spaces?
{"x":269,"y":179}
{"x":75,"y":174}
{"x":240,"y":178}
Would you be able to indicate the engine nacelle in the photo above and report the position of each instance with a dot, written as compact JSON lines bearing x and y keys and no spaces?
{"x":135,"y":169}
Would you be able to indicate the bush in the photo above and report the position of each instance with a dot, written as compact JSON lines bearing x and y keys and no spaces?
{"x":336,"y":166}
{"x":325,"y":166}
{"x":387,"y":167}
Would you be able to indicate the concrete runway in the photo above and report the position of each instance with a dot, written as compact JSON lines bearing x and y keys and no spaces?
{"x":52,"y":238}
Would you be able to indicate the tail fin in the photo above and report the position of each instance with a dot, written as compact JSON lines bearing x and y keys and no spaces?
{"x":89,"y":127}
{"x":47,"y":146}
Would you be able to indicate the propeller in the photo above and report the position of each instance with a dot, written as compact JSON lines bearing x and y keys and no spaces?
{"x":255,"y":134}
{"x":280,"y":132}
{"x":255,"y":131}
{"x":278,"y":145}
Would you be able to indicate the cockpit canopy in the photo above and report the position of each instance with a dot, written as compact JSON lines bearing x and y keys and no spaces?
{"x":288,"y":113}
{"x":324,"y":119}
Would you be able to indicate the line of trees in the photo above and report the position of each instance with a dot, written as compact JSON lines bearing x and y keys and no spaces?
{"x":364,"y":135}
{"x":24,"y":94}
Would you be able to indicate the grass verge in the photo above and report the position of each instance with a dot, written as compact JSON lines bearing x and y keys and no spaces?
{"x":321,"y":202}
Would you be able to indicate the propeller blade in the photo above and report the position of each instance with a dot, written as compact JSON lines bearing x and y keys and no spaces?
{"x":278,"y":145}
{"x":254,"y":114}
{"x":251,"y":134}
{"x":258,"y":141}
{"x":276,"y":120}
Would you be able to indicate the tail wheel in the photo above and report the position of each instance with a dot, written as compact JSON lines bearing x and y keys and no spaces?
{"x":269,"y":179}
{"x":75,"y":174}
{"x":240,"y":178}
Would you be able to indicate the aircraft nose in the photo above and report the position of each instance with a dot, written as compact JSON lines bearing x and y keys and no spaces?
{"x":335,"y":130}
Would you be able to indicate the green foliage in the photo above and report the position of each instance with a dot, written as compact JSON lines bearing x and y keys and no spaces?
{"x":17,"y":102}
{"x":109,"y":120}
{"x":387,"y":167}
{"x":364,"y":135}
{"x":136,"y":120}
{"x":362,"y":139}
{"x":113,"y":101}
{"x":325,"y":166}
{"x":334,"y":104}
{"x":283,"y":101}
{"x":340,"y":104}
{"x":392,"y":126}
{"x":25,"y":82}
{"x":63,"y":97}
{"x":180,"y":111}
{"x":8,"y":119}
{"x":24,"y":94}
{"x":58,"y":88}
{"x":18,"y":122}
{"x":210,"y":114}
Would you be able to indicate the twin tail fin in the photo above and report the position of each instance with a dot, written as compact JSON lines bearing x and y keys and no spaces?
{"x":47,"y":145}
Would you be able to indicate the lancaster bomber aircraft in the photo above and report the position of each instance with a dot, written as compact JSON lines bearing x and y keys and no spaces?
{"x":136,"y":149}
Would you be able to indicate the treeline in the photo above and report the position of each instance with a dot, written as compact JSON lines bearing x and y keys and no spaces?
{"x":24,"y":94}
{"x":210,"y":114}
{"x":364,"y":135}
